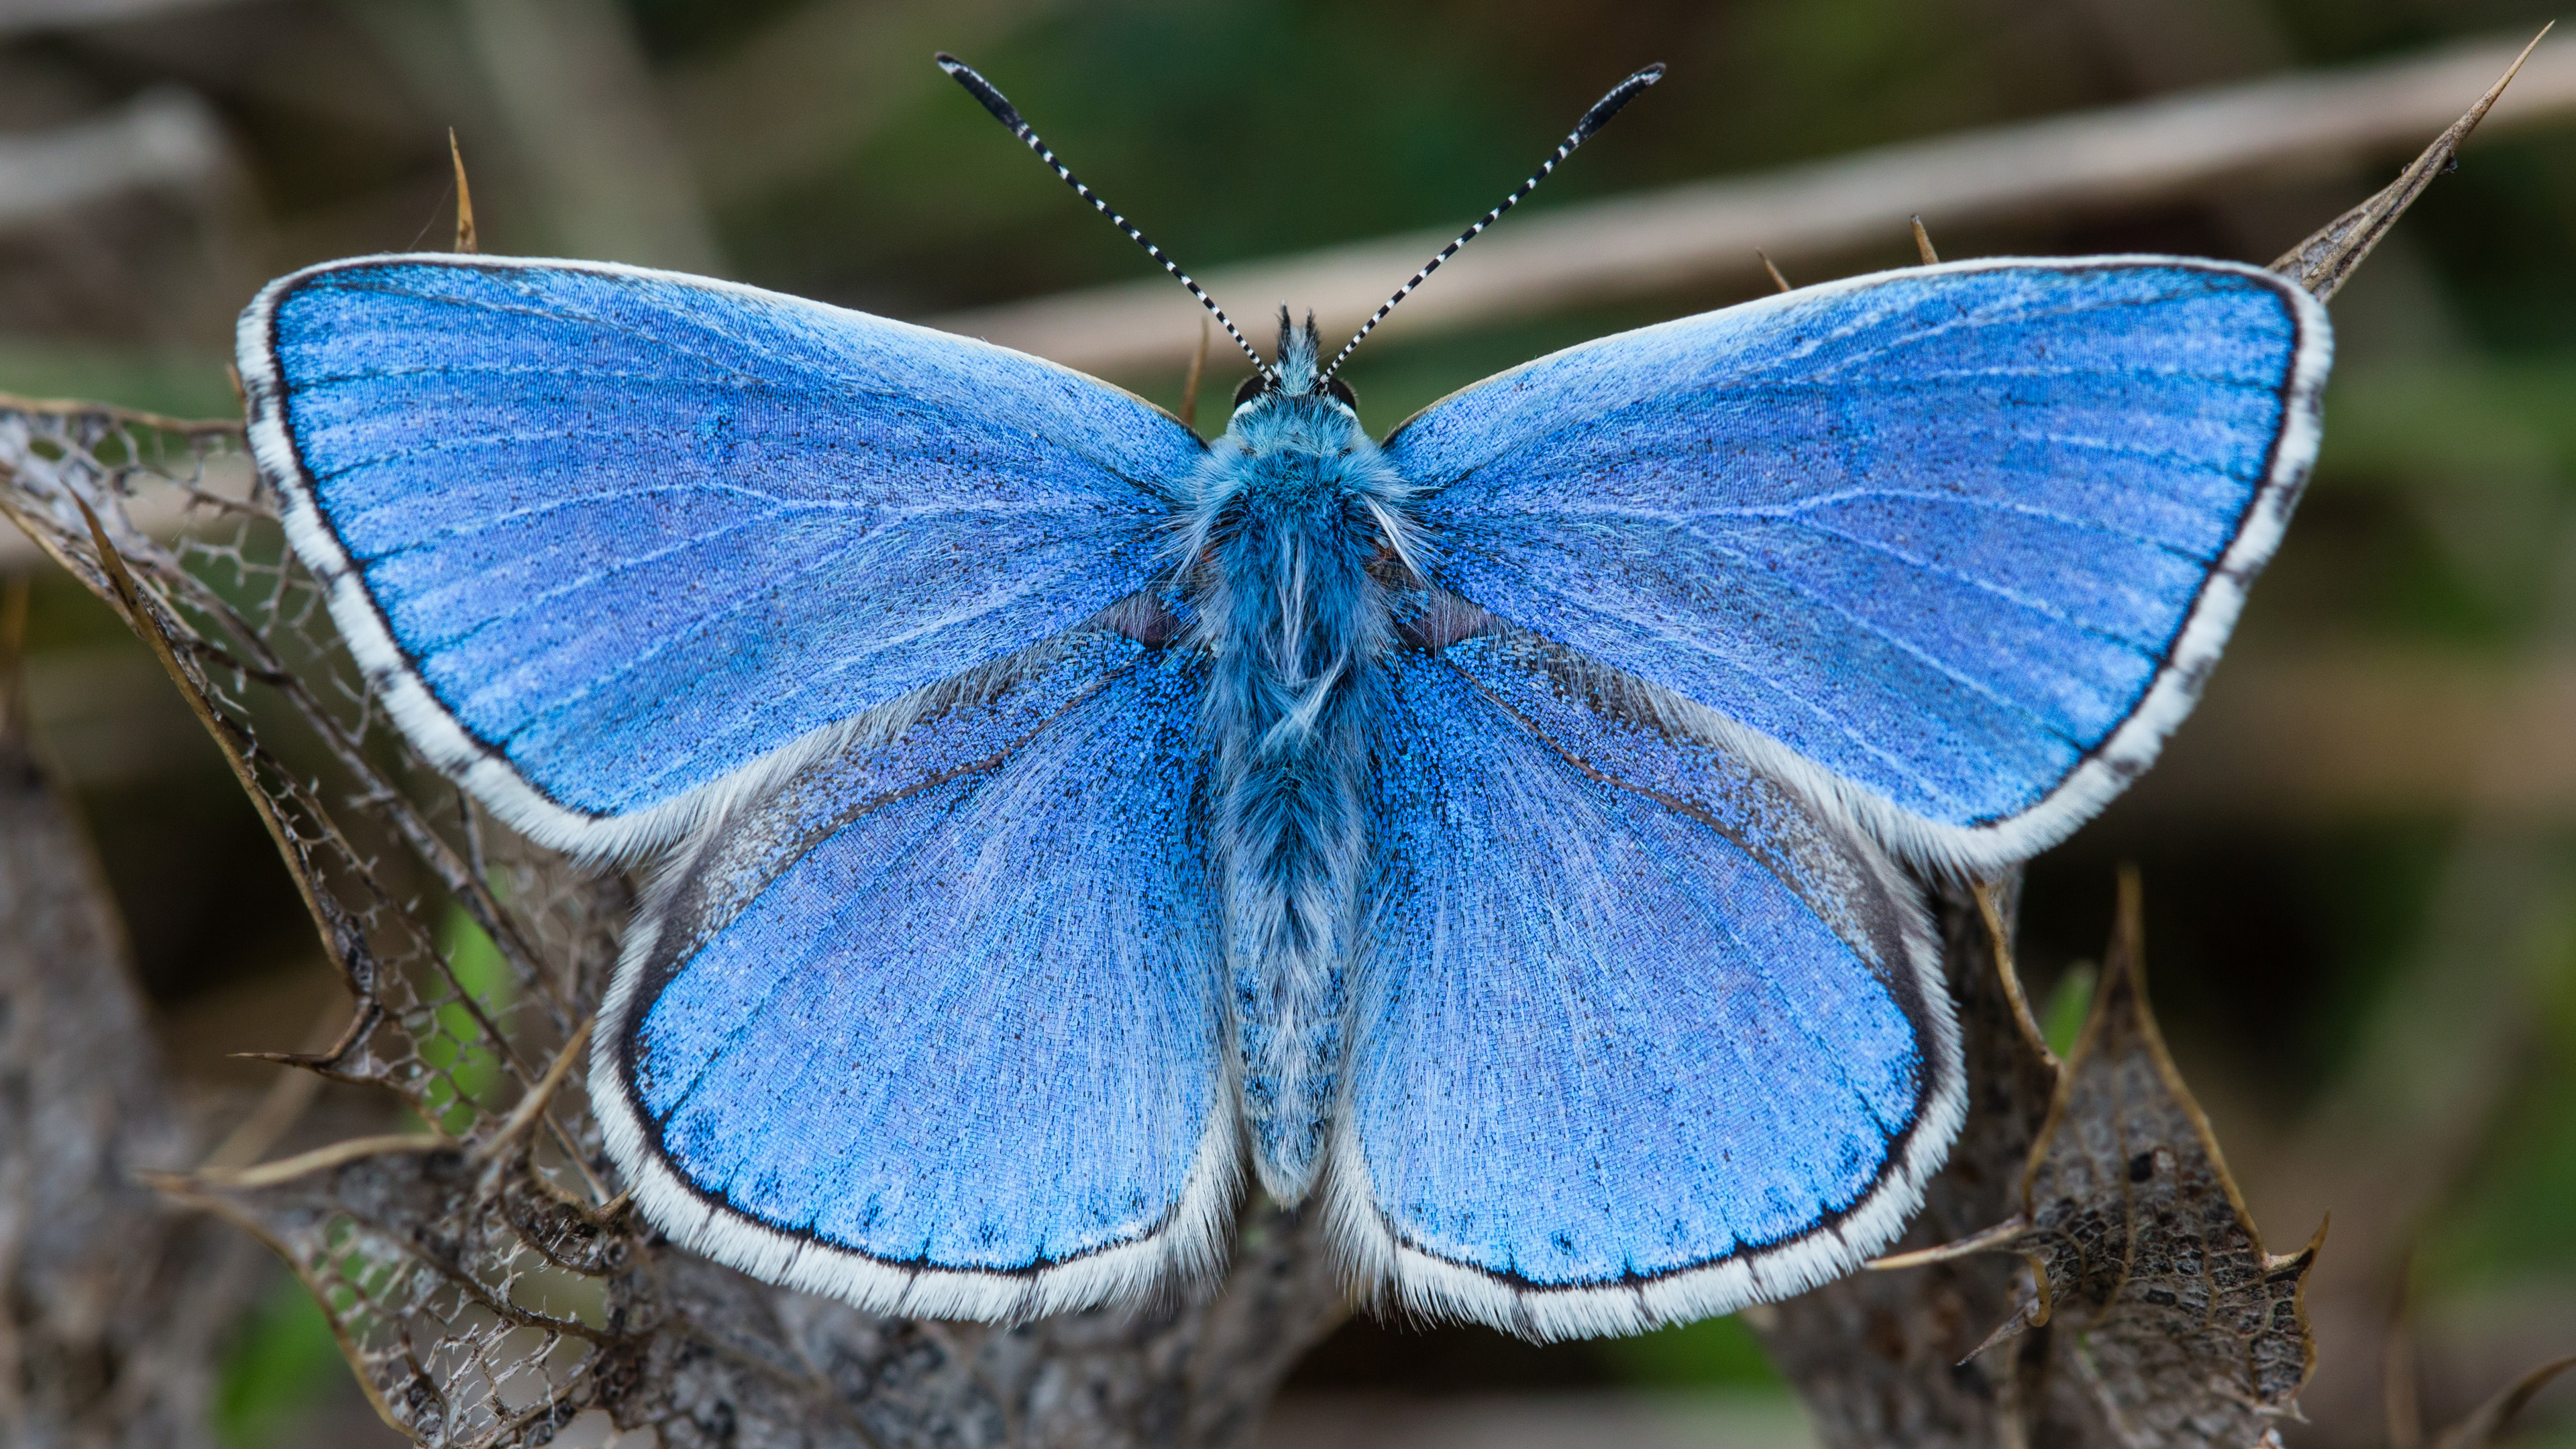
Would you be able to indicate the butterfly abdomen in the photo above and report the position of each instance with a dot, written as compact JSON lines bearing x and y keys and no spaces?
{"x":1287,"y":524}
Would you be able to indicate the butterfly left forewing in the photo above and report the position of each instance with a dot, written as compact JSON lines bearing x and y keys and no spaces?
{"x":1642,"y":1037}
{"x":933,"y":1027}
{"x":606,"y":539}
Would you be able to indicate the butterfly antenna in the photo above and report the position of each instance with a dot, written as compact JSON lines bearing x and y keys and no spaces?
{"x":1009,"y":115}
{"x":1593,"y":120}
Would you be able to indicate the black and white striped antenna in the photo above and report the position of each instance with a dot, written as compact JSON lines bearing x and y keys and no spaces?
{"x":1009,"y":115}
{"x":1593,"y":120}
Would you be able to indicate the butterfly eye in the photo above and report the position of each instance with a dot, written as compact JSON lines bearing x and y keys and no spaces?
{"x":1340,"y":392}
{"x":1253,"y":387}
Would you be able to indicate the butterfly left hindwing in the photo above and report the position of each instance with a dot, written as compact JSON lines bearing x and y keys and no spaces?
{"x":933,"y":1027}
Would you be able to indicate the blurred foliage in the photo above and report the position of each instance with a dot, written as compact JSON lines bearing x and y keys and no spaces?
{"x":282,"y":1361}
{"x":2068,"y":1003}
{"x":1712,"y":1353}
{"x":179,"y":383}
{"x":2510,"y":1222}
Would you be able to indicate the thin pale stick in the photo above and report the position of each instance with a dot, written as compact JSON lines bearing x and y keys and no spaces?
{"x":1661,"y":243}
{"x":533,"y":1105}
{"x":320,"y":1159}
{"x":2009,"y":972}
{"x":1190,"y":388}
{"x":75,"y":407}
{"x":282,"y":1106}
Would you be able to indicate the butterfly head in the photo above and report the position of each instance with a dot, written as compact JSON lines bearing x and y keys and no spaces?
{"x":1294,"y":461}
{"x":1293,"y":386}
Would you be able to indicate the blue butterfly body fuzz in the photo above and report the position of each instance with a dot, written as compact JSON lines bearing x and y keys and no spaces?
{"x":1502,"y":838}
{"x":1288,"y":514}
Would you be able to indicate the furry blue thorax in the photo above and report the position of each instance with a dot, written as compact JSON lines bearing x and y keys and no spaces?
{"x":1294,"y":520}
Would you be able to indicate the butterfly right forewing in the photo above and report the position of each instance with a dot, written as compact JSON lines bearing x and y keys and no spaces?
{"x":1953,"y":546}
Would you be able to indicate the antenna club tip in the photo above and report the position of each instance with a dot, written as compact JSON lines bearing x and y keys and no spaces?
{"x":1618,"y":98}
{"x":981,"y":89}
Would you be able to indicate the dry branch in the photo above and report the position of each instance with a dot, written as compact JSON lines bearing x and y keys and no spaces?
{"x":20,"y":16}
{"x":164,"y":139}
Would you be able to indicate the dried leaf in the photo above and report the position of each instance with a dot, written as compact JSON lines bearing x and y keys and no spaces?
{"x":2492,"y":1417}
{"x":465,"y":235}
{"x":2176,"y":1324}
{"x":2325,"y":261}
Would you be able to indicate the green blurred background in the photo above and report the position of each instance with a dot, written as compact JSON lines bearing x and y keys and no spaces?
{"x":2360,"y":856}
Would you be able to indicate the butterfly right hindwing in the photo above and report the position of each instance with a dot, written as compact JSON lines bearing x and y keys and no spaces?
{"x":1644,"y":1037}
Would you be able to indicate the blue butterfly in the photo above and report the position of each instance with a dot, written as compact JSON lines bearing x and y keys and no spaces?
{"x":1500,"y":836}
